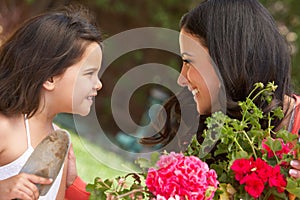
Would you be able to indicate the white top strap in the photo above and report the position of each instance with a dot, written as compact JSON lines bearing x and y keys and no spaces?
{"x":27,"y":131}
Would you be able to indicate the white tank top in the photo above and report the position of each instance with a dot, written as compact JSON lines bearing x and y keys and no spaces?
{"x":13,"y":168}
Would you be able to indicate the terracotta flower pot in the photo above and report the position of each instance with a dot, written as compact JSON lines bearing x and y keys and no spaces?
{"x":292,"y":196}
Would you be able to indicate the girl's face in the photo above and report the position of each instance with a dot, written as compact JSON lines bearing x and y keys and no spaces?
{"x":77,"y":87}
{"x":198,"y":73}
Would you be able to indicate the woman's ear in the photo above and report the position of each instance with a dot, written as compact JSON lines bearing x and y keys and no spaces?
{"x":49,"y":84}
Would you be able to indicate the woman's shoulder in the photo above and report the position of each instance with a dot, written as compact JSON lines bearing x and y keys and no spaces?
{"x":296,"y":124}
{"x":297,"y":98}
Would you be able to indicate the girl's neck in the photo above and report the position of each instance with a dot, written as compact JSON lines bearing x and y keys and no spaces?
{"x":44,"y":120}
{"x":40,"y":126}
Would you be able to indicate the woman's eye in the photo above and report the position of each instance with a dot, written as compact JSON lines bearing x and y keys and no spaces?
{"x":185,"y":61}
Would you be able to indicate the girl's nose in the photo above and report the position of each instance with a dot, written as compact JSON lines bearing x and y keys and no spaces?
{"x":98,"y":85}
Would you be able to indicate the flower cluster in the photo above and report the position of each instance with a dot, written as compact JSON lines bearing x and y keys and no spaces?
{"x":285,"y":148}
{"x":251,"y":161}
{"x":181,"y":177}
{"x":258,"y":174}
{"x":238,"y":159}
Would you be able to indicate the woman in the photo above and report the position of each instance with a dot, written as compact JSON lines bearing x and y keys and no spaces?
{"x":242,"y":40}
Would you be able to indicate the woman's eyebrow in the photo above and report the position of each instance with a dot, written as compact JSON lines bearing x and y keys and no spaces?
{"x":185,"y":54}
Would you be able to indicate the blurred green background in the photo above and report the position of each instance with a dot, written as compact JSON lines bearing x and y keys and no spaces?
{"x":115,"y":16}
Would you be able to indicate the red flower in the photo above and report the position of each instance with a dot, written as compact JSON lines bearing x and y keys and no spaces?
{"x":241,"y":167}
{"x":255,"y":174}
{"x":277,"y":179}
{"x":262,"y":169}
{"x":286,"y":148}
{"x":254,"y":185}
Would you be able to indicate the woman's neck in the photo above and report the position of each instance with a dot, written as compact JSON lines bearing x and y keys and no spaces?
{"x":288,"y":107}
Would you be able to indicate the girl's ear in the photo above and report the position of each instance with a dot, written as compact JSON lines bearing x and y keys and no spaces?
{"x":49,"y":84}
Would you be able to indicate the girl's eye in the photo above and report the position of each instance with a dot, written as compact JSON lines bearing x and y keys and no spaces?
{"x":89,"y":73}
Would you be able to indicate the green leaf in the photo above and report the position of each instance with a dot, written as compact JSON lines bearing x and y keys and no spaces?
{"x":286,"y":136}
{"x":293,"y":186}
{"x":146,"y":164}
{"x":277,"y":112}
{"x":274,"y":145}
{"x":222,"y":148}
{"x":90,"y":187}
{"x":241,"y":154}
{"x":108,"y":183}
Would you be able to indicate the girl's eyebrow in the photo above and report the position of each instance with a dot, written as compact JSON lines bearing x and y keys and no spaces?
{"x":93,"y":68}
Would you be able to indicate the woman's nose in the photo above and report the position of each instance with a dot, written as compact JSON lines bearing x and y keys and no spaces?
{"x":182,"y":81}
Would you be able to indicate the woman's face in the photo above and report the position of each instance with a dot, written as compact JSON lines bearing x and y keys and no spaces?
{"x":198,"y":73}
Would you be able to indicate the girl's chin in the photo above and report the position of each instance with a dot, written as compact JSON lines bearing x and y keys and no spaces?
{"x":83,"y":113}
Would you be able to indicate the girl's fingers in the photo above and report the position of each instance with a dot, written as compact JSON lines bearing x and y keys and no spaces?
{"x":31,"y":190}
{"x":26,"y":193}
{"x":29,"y":187}
{"x":38,"y":180}
{"x":20,"y":191}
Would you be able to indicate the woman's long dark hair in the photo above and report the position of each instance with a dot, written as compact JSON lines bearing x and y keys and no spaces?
{"x":246,"y":46}
{"x":42,"y":47}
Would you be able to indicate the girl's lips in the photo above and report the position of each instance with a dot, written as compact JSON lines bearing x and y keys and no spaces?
{"x":91,"y":97}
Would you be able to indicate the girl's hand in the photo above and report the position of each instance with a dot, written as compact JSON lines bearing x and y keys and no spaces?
{"x":295,"y":172}
{"x":21,"y":186}
{"x":72,"y":169}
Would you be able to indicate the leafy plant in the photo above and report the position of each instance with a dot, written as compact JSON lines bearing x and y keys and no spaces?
{"x":246,"y":141}
{"x":118,"y":188}
{"x":251,"y":161}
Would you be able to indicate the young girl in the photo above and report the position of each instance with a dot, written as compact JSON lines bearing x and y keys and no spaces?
{"x":48,"y":66}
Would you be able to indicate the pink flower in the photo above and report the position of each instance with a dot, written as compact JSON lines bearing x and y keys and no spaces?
{"x":181,"y":177}
{"x":163,"y":198}
{"x":166,"y":160}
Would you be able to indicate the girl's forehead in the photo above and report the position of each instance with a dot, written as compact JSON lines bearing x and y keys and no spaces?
{"x":92,"y":50}
{"x":92,"y":57}
{"x":92,"y":54}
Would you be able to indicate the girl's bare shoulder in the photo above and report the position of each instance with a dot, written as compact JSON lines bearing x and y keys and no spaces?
{"x":8,"y":126}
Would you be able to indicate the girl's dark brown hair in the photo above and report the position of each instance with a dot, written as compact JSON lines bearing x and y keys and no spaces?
{"x":246,"y":46}
{"x":42,"y":47}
